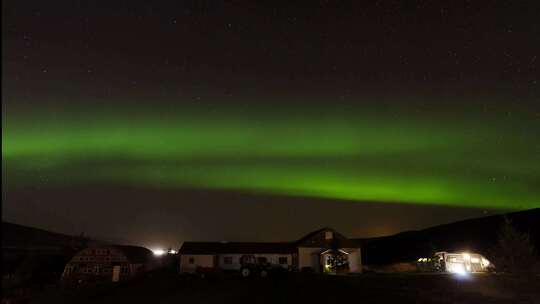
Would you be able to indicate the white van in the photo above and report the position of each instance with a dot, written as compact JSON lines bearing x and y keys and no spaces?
{"x":461,"y":262}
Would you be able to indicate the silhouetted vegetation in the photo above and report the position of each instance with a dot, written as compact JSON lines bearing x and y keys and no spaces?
{"x":515,"y":252}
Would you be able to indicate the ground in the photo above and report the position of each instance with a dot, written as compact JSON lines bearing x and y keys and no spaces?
{"x":302,"y":288}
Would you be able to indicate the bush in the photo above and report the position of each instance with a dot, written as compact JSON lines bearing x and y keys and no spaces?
{"x":514,"y":252}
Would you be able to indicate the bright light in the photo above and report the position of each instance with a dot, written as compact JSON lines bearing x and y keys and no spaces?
{"x":158,"y":252}
{"x":485,"y":262}
{"x":458,"y":269}
{"x":172,"y":251}
{"x":475,"y":260}
{"x":466,"y":256}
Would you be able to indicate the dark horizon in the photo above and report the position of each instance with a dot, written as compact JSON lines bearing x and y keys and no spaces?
{"x":340,"y":215}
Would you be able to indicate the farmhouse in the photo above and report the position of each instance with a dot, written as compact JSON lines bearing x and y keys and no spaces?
{"x":324,"y":250}
{"x":116,"y":262}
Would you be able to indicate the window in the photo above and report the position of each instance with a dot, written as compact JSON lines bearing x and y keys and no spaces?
{"x":227,"y":260}
{"x":328,"y":235}
{"x":283,"y":260}
{"x":191,"y":261}
{"x":261,"y":260}
{"x":455,"y":259}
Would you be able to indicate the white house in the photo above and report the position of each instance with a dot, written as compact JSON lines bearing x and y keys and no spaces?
{"x":317,"y":251}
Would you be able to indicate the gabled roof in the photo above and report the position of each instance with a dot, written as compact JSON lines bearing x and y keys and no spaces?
{"x":313,"y":239}
{"x":313,"y":234}
{"x":237,"y":248}
{"x":317,"y":239}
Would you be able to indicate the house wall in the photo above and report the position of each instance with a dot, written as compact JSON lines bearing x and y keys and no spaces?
{"x":271,"y":258}
{"x":309,"y":257}
{"x":199,"y":260}
{"x":95,"y":262}
{"x":354,"y":259}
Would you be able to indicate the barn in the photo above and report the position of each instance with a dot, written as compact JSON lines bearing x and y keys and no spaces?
{"x":117,"y":262}
{"x":322,"y":251}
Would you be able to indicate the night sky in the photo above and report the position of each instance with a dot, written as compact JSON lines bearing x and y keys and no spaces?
{"x":152,"y":123}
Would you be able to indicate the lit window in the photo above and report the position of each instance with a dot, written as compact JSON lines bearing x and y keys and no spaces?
{"x":283,"y":260}
{"x":227,"y":260}
{"x":328,"y":235}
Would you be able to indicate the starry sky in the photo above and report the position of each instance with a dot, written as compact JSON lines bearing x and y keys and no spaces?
{"x":155,"y":123}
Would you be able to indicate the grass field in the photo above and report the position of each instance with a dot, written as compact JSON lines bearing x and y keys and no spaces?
{"x":299,"y":288}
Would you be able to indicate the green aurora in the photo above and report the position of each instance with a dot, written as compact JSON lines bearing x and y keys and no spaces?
{"x":487,"y":162}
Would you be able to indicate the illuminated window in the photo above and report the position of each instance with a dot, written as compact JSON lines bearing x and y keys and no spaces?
{"x":328,"y":235}
{"x":283,"y":260}
{"x":455,"y":259}
{"x":227,"y":260}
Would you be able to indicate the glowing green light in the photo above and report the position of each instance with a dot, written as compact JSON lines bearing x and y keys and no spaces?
{"x":353,"y":155}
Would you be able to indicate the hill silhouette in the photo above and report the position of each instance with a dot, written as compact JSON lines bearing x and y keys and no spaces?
{"x":476,"y":235}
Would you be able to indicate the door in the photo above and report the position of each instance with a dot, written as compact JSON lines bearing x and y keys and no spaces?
{"x":116,"y":273}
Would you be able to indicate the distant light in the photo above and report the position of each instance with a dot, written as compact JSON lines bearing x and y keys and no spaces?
{"x":485,"y":262}
{"x":172,"y":251}
{"x":466,"y":256}
{"x":475,"y":260}
{"x":158,"y":252}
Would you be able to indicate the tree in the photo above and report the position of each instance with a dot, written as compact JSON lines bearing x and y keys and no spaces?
{"x":514,"y":252}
